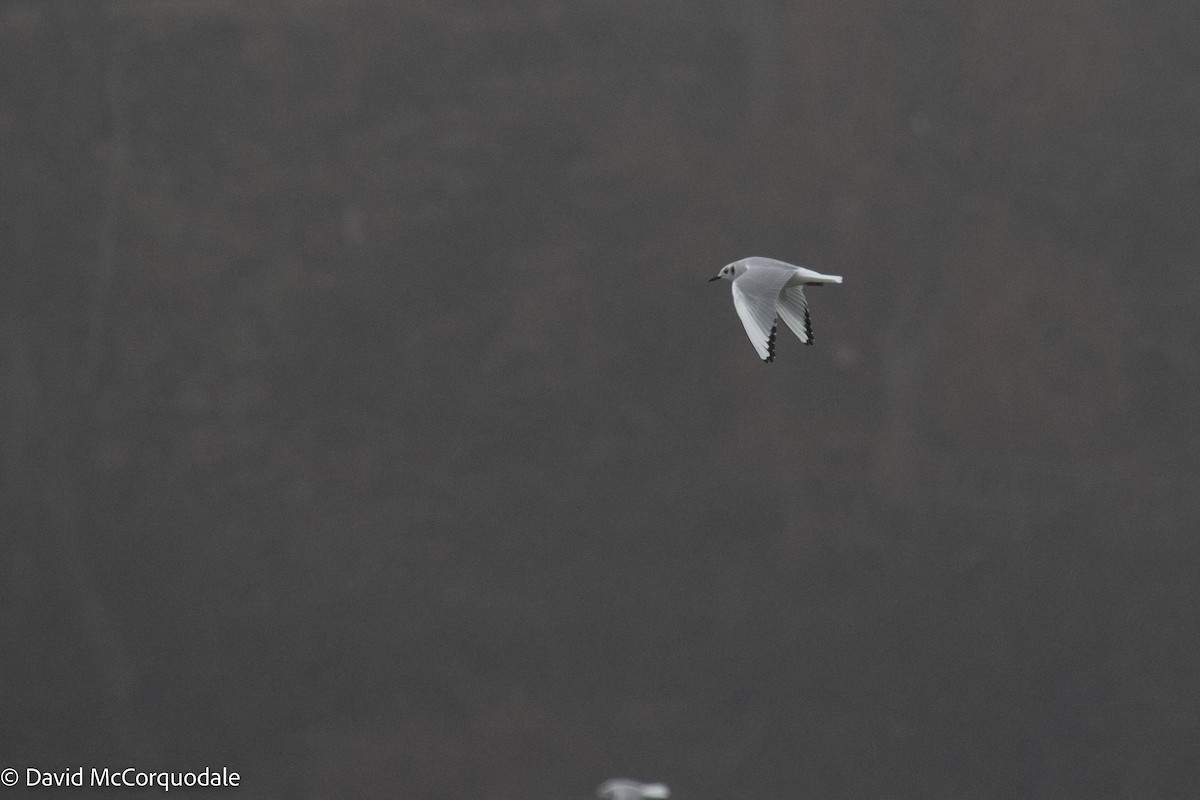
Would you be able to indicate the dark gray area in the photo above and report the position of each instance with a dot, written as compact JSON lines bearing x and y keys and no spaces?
{"x":367,"y":424}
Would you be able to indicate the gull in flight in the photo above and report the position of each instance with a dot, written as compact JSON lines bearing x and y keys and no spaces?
{"x":765,"y":290}
{"x":622,"y":789}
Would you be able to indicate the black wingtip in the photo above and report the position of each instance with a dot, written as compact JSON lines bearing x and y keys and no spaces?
{"x":807,"y":328}
{"x":771,"y":344}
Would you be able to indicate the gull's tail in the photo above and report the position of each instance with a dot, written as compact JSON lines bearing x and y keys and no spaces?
{"x":656,"y":790}
{"x":817,"y":280}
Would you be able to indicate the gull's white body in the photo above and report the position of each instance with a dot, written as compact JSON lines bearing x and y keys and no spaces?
{"x":765,"y":290}
{"x":623,"y":789}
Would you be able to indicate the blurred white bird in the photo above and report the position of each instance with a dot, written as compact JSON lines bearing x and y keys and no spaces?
{"x":765,"y":290}
{"x":624,"y":789}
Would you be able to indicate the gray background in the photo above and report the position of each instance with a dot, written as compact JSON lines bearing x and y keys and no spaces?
{"x":367,"y":425}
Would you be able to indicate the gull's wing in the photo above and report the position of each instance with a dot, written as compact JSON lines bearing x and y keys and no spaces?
{"x":756,"y":297}
{"x":622,"y":789}
{"x":793,"y":310}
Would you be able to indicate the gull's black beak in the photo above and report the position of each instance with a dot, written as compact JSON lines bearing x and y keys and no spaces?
{"x":714,"y":278}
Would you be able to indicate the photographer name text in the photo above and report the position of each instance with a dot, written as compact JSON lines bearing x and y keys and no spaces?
{"x":127,"y":778}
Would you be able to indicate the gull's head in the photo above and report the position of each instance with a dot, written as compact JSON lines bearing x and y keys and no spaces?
{"x":729,"y":271}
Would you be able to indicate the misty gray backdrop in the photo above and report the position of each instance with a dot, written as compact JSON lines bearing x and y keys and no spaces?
{"x":368,"y":427}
